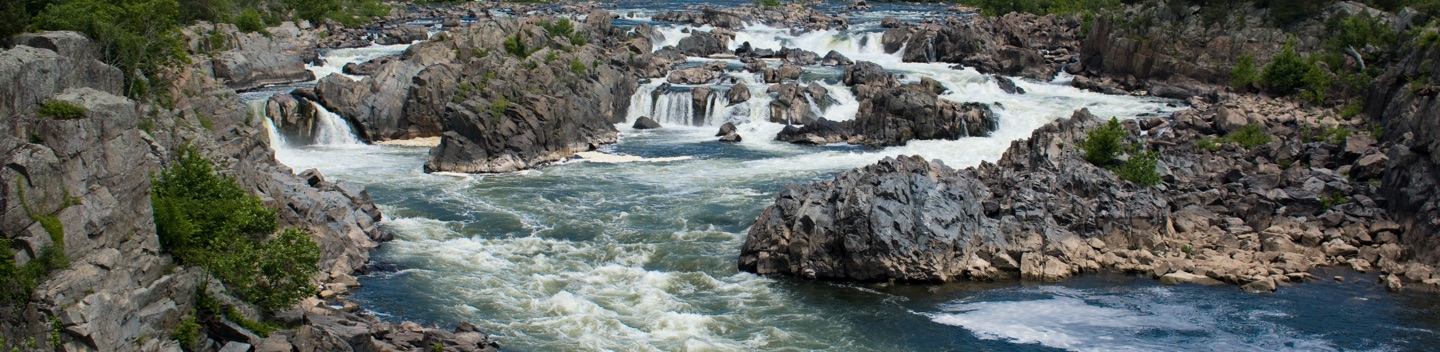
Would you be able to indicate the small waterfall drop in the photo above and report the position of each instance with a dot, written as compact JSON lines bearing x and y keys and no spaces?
{"x":331,"y":129}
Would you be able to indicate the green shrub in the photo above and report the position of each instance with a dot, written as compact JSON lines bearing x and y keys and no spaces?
{"x":1207,"y":144}
{"x":767,"y":3}
{"x":211,"y":222}
{"x":1352,"y":109}
{"x":1103,"y":144}
{"x":1249,"y":136}
{"x":141,"y":37}
{"x":498,"y":107}
{"x":188,"y":332}
{"x":249,"y":21}
{"x":1286,"y":72}
{"x":577,"y":67}
{"x":1317,"y":84}
{"x":1332,"y":200}
{"x":560,"y":27}
{"x":1243,"y":75}
{"x":61,"y":110}
{"x":516,"y":47}
{"x":1139,"y":169}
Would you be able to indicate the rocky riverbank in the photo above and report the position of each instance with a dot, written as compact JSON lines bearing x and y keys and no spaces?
{"x":1253,"y":216}
{"x":91,"y":173}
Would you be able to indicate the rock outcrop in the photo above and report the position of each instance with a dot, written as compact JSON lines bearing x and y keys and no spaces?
{"x":890,"y":114}
{"x":1407,"y":113}
{"x":1022,"y":45}
{"x":120,"y":290}
{"x":1042,"y":212}
{"x":516,"y":113}
{"x":399,"y":100}
{"x":255,"y":60}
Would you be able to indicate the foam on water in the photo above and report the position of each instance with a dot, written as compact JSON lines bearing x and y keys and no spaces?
{"x":333,"y":61}
{"x":1152,"y":319}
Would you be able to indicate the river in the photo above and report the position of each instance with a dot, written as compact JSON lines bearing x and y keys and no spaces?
{"x":641,"y":256}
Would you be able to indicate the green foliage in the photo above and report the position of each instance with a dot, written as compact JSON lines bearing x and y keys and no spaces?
{"x":551,"y":56}
{"x":1139,"y":169}
{"x":1352,"y":109}
{"x":1243,"y":75}
{"x":205,"y":122}
{"x":1249,"y":136}
{"x":767,"y":3}
{"x":577,"y":67}
{"x":516,"y":47}
{"x":214,"y":309}
{"x":1185,"y":248}
{"x":560,"y":27}
{"x":249,"y":21}
{"x":188,"y":333}
{"x":139,"y":36}
{"x":1208,"y":144}
{"x":1332,"y":200}
{"x":1286,"y":71}
{"x":1041,"y":7}
{"x":1357,"y":31}
{"x":13,"y":18}
{"x":1103,"y":144}
{"x":209,"y":221}
{"x":498,"y":107}
{"x":55,"y":327}
{"x":61,"y":110}
{"x":1335,"y":135}
{"x":1317,"y":83}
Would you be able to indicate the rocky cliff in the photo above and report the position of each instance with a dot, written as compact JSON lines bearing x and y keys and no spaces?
{"x":1404,"y":100}
{"x":84,"y":180}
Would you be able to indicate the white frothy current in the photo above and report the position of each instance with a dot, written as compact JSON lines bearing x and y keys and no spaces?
{"x":1085,"y":320}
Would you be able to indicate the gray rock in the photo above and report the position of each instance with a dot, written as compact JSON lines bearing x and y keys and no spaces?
{"x":834,"y":58}
{"x":703,"y":44}
{"x":645,"y":123}
{"x":1008,"y":85}
{"x":738,"y":93}
{"x":66,"y":43}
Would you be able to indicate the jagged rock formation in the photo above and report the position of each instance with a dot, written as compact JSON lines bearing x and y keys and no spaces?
{"x":392,"y":103}
{"x":254,"y":59}
{"x":516,"y":113}
{"x":786,"y":15}
{"x":1407,"y":112}
{"x":890,"y":114}
{"x":1042,"y":212}
{"x":1014,"y":44}
{"x":92,"y":174}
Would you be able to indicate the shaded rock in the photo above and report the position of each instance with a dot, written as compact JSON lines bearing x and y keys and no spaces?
{"x":727,"y":128}
{"x":738,"y":93}
{"x":834,"y":58}
{"x":645,"y":123}
{"x":731,"y":137}
{"x":1008,"y":85}
{"x":800,"y":57}
{"x":702,"y":44}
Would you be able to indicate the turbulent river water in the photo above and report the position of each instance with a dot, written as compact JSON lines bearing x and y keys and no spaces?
{"x":642,"y":256}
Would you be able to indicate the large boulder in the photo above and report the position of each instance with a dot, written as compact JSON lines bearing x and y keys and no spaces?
{"x":897,"y":115}
{"x":703,"y":44}
{"x":901,"y":219}
{"x":255,"y":59}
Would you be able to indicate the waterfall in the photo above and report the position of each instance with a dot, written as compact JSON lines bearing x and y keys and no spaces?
{"x":257,"y":110}
{"x":331,"y":129}
{"x":929,"y":49}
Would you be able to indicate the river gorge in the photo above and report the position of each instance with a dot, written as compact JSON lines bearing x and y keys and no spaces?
{"x":639,"y":255}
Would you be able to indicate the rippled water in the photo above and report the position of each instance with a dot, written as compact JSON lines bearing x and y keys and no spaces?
{"x":641,"y":256}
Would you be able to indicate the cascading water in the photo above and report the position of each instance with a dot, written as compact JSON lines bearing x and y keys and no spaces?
{"x":641,"y":256}
{"x":331,"y":129}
